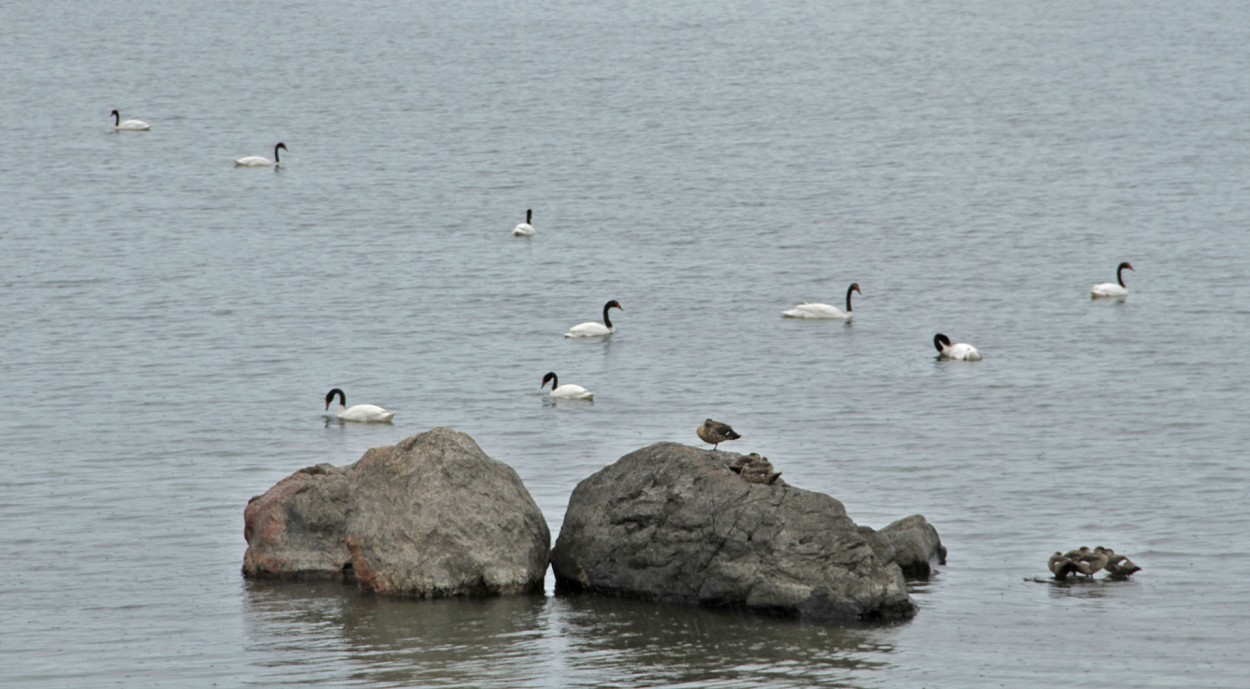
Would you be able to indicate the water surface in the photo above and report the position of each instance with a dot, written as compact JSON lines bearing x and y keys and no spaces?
{"x":171,"y":323}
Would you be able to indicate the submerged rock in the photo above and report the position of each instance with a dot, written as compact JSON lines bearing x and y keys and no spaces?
{"x":432,"y":516}
{"x":677,"y":523}
{"x":911,"y":543}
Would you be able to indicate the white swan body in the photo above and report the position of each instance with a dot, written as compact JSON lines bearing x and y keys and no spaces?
{"x":1112,"y":289}
{"x":568,"y":391}
{"x":261,"y":161}
{"x":817,"y":311}
{"x":593,"y":329}
{"x":525,"y":229}
{"x":360,"y":413}
{"x":959,"y":351}
{"x":825,"y":310}
{"x":129,"y":125}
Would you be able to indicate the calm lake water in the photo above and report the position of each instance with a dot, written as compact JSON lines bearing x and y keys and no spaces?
{"x":171,"y":323}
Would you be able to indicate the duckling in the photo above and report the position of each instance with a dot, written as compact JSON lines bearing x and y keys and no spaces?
{"x":715,"y":432}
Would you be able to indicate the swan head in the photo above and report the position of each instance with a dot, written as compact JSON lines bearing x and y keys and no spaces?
{"x":853,"y":288}
{"x":614,"y":304}
{"x":551,"y":376}
{"x":941,"y":341}
{"x":330,"y":397}
{"x":280,"y":145}
{"x":1119,"y":271}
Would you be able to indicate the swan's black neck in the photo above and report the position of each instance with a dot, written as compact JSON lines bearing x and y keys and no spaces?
{"x":275,"y":153}
{"x":330,"y":397}
{"x":529,"y":214}
{"x":848,"y":297}
{"x":607,"y":321}
{"x":939,"y":340}
{"x":555,"y":380}
{"x":1119,"y":275}
{"x":117,"y":118}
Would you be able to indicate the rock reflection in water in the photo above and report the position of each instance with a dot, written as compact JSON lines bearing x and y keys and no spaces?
{"x":643,"y":644}
{"x":329,"y":634}
{"x":315,"y":630}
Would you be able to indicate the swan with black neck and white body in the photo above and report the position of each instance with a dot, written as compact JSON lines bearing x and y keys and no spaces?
{"x":593,"y":329}
{"x":959,"y":351}
{"x":568,"y":391}
{"x":1112,"y":289}
{"x":825,"y":310}
{"x":525,"y":229}
{"x":360,"y":413}
{"x":128,"y":125}
{"x":262,"y":161}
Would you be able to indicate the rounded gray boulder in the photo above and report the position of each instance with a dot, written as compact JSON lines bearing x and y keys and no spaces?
{"x":676,"y":523}
{"x":432,"y":516}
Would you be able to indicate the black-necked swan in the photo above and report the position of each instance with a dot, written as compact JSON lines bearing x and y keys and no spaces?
{"x":593,"y":329}
{"x":362,"y":413}
{"x":1111,"y":289}
{"x":128,"y":125}
{"x":825,"y":310}
{"x":568,"y":391}
{"x":715,"y":432}
{"x":959,"y":352}
{"x":261,"y":161}
{"x":525,"y":229}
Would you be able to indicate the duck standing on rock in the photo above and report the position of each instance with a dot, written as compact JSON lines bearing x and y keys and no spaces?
{"x":715,"y":432}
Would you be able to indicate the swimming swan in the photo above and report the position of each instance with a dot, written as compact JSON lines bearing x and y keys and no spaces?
{"x":362,"y":413}
{"x":824,"y":310}
{"x":568,"y":391}
{"x":261,"y":161}
{"x":957,"y":352}
{"x":128,"y":125}
{"x":525,"y":229}
{"x":593,"y":329}
{"x":1110,"y":289}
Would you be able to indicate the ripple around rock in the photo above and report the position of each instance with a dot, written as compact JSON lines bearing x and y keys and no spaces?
{"x":431,"y":516}
{"x":676,"y":523}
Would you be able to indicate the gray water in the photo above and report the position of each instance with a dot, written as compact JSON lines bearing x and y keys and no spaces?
{"x":171,"y":323}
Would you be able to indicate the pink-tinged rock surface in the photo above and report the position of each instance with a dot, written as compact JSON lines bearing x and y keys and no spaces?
{"x":432,"y":516}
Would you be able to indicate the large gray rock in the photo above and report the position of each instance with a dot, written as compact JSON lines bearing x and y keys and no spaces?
{"x":672,"y":522}
{"x":432,"y":516}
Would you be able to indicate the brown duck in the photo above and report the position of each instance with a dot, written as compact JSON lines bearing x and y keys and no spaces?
{"x":715,"y":432}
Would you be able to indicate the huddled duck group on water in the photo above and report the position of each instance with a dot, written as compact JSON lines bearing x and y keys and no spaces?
{"x":1088,"y":562}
